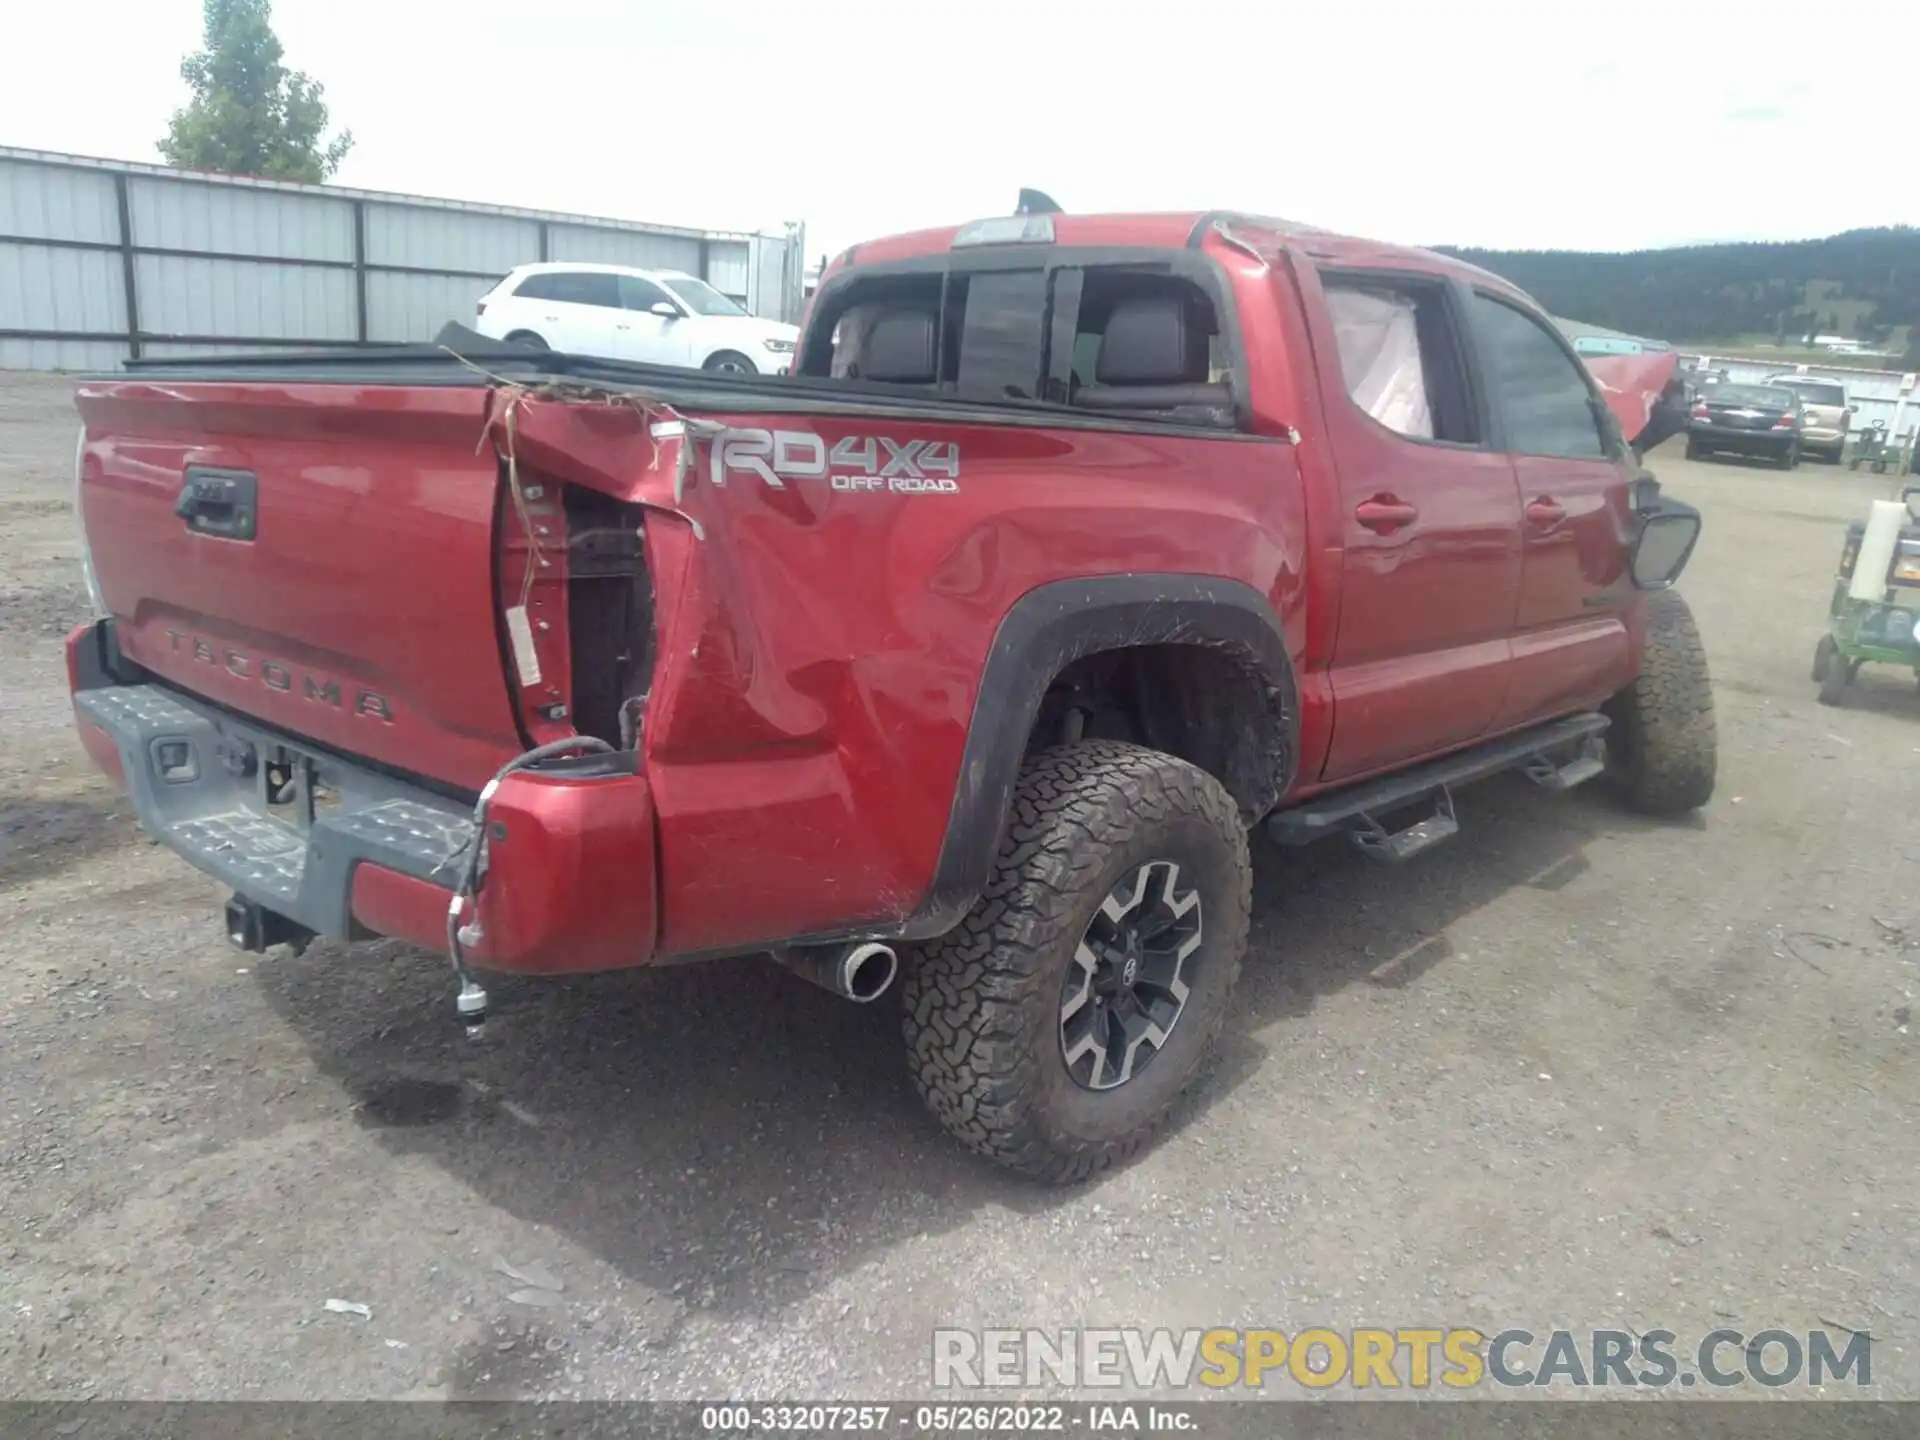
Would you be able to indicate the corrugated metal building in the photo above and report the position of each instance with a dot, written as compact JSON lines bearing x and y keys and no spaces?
{"x":104,"y":259}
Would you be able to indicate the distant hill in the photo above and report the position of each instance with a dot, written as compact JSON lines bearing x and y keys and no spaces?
{"x":1864,"y":284}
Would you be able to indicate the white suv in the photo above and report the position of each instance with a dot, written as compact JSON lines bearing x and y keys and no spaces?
{"x":657,"y":316}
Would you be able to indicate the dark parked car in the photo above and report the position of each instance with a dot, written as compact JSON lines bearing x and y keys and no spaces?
{"x":1764,"y":420}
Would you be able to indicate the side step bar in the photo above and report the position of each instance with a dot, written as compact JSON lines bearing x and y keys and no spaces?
{"x":1353,"y":811}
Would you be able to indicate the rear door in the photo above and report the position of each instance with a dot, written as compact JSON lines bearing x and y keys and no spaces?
{"x":1570,"y":643}
{"x":575,"y":310}
{"x":1430,"y":517}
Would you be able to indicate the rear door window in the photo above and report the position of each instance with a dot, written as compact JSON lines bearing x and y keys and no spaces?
{"x":1814,"y":392}
{"x":574,"y":287}
{"x":1543,"y":396}
{"x":1764,"y":397}
{"x":1401,"y":357}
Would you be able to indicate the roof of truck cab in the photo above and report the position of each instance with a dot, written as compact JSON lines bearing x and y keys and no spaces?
{"x":1265,"y":234}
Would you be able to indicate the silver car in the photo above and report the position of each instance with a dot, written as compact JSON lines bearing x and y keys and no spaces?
{"x":1829,"y":414}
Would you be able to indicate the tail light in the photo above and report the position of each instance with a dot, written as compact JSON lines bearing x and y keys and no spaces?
{"x":530,"y":535}
{"x":479,"y":307}
{"x":1700,"y":412}
{"x":94,"y":597}
{"x":1785,"y":422}
{"x":576,"y":606}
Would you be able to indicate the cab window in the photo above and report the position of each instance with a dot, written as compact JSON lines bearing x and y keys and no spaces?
{"x":1544,"y":398}
{"x":638,"y":294}
{"x":1401,"y":357}
{"x":1137,"y":338}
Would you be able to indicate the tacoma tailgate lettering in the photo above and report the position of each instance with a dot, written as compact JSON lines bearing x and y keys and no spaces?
{"x":276,"y":676}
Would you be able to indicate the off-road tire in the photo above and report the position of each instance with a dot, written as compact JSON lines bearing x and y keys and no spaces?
{"x":1663,"y":746}
{"x":1825,"y":655}
{"x":982,"y":1002}
{"x":1838,"y":679}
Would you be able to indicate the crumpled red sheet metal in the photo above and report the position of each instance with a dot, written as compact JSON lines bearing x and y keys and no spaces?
{"x":1633,"y":384}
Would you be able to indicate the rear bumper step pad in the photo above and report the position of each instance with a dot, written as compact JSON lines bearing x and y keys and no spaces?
{"x":198,"y":780}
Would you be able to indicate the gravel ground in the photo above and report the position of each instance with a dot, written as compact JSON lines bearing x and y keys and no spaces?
{"x":1574,"y":1069}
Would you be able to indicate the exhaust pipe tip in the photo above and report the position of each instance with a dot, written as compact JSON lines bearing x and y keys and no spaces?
{"x":862,"y":971}
{"x":867,"y":971}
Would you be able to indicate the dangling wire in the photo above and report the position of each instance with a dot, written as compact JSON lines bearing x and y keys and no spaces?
{"x":472,"y":1000}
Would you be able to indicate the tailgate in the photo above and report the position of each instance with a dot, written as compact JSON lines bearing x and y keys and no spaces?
{"x":319,"y":557}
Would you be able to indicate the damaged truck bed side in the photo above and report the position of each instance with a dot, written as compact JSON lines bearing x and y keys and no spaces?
{"x":1074,"y":548}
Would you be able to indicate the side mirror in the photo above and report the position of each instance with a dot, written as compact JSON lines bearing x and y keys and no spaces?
{"x":1664,"y":545}
{"x":665,"y":309}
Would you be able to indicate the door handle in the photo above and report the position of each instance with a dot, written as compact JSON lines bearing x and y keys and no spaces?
{"x":219,"y":502}
{"x":1384,"y":514}
{"x":1544,"y":512}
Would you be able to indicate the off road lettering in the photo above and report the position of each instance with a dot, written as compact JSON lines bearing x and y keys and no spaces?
{"x":857,"y":464}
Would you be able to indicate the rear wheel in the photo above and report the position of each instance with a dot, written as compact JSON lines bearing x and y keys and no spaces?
{"x":1834,"y":684}
{"x":1057,"y":1026}
{"x":1791,"y":459}
{"x":730,"y":362}
{"x":1824,"y":656}
{"x":527,"y":340}
{"x":1694,"y":449}
{"x":1663,"y":745}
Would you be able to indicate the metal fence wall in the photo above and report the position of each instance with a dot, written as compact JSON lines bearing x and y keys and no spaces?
{"x":100,"y":260}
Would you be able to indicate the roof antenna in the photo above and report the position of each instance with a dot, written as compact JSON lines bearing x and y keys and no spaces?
{"x":1038,"y":202}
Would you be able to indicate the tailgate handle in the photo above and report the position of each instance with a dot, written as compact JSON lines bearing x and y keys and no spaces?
{"x":219,"y":502}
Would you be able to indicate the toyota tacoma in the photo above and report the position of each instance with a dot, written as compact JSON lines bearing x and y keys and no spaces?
{"x":1075,"y":549}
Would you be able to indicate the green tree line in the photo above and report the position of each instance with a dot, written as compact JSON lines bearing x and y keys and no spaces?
{"x":1864,"y":284}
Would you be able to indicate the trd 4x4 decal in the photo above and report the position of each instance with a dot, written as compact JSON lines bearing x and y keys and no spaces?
{"x":857,"y":463}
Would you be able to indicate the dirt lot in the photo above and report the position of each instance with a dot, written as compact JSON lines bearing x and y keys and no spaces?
{"x":1574,"y":1069}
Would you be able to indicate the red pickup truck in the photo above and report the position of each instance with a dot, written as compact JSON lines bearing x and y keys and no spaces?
{"x":1075,"y":548}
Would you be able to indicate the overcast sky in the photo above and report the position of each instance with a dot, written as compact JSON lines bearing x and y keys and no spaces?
{"x":1554,"y":123}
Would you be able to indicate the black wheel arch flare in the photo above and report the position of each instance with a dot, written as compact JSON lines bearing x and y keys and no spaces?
{"x":1048,"y":629}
